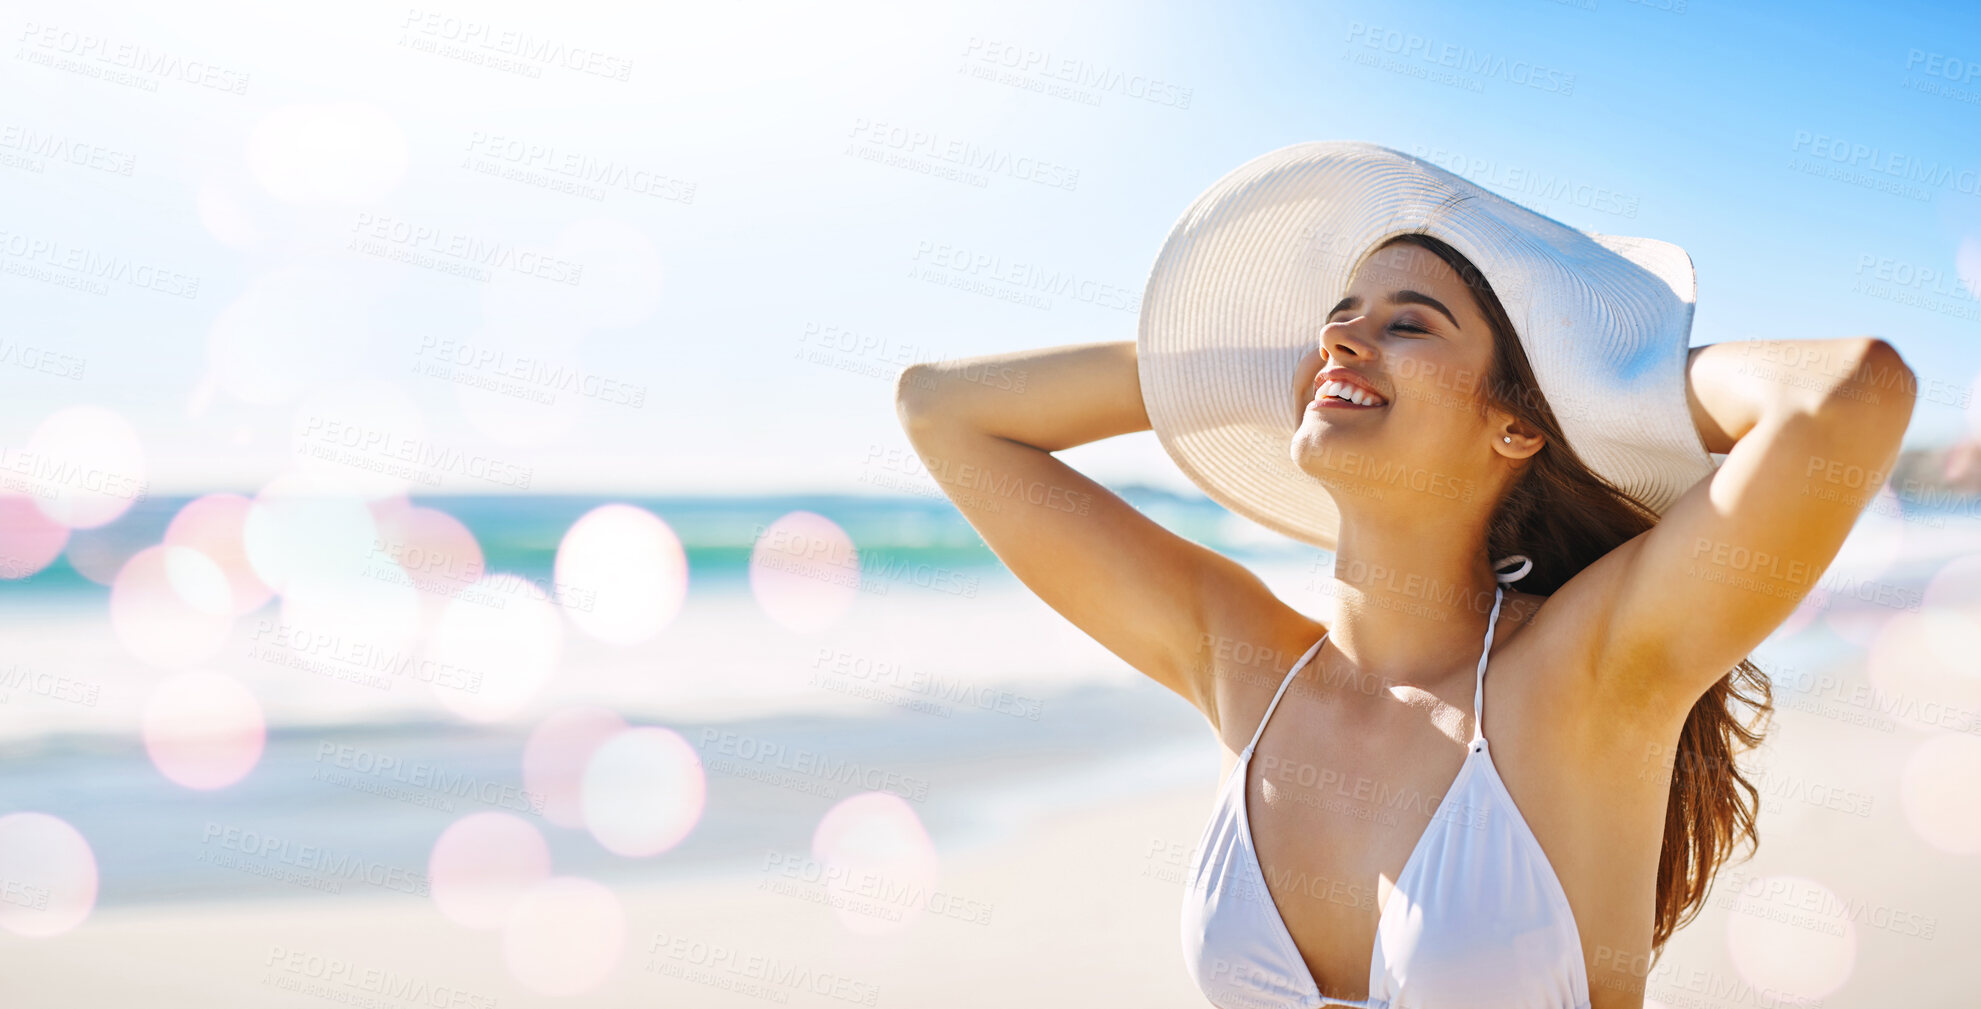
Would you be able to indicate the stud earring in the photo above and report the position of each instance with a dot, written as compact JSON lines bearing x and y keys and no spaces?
{"x":1506,"y":439}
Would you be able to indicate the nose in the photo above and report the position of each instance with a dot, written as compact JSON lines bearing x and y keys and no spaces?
{"x":1345,"y":338}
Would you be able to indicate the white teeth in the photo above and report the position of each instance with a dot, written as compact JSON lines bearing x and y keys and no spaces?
{"x":1342,"y":390}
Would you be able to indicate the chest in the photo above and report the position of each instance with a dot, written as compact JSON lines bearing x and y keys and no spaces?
{"x":1343,"y":802}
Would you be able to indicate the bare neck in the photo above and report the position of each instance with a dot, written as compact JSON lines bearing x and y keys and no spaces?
{"x":1411,"y":602}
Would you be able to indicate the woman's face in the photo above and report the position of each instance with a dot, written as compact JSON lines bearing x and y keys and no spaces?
{"x":1408,"y":329}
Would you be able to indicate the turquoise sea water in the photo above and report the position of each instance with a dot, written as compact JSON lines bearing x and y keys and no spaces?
{"x":520,"y":533}
{"x":983,"y":773}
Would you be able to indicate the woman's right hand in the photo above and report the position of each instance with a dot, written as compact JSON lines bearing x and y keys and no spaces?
{"x":986,"y":428}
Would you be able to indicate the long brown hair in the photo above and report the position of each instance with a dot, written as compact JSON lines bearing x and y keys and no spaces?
{"x":1564,"y":517}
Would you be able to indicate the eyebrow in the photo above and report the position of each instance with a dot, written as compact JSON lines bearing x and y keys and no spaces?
{"x":1400,"y":298}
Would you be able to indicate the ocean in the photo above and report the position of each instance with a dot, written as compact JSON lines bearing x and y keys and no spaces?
{"x":964,"y":695}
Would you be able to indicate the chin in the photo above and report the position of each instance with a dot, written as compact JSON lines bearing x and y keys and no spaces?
{"x":1317,"y":448}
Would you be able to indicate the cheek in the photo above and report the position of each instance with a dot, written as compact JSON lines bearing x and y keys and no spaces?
{"x":1431,"y":382}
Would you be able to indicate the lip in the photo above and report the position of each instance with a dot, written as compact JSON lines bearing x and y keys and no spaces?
{"x":1346,"y":377}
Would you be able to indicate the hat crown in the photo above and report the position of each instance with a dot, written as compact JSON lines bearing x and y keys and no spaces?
{"x":1238,"y":295}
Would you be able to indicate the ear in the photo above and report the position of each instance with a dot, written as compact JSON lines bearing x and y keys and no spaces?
{"x":1517,"y":440}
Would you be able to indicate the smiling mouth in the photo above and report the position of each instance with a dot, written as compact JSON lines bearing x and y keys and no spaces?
{"x":1342,"y":396}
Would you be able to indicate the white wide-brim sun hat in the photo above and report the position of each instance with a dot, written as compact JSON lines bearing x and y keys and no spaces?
{"x":1239,"y":293}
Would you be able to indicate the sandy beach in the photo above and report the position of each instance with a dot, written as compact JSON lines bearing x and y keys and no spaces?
{"x":1076,"y":906}
{"x":1080,"y":912}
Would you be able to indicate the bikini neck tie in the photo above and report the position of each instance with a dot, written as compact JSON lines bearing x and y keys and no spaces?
{"x":1508,"y":577}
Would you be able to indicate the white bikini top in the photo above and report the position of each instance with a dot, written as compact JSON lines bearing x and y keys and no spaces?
{"x":1477,"y":917}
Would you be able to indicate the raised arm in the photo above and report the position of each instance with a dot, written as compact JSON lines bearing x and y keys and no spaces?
{"x":987,"y":427}
{"x":1810,"y":429}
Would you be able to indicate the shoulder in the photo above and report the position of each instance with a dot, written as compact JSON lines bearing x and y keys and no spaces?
{"x":1241,"y":660}
{"x":1563,"y":640}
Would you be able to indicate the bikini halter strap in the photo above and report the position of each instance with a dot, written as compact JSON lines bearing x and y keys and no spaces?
{"x":1479,"y":678}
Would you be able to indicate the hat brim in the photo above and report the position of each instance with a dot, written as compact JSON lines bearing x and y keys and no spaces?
{"x":1238,"y":294}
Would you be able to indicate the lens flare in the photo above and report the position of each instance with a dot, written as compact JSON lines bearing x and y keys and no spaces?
{"x":869,"y":839}
{"x":50,"y":873}
{"x":203,"y":730}
{"x":555,"y":756}
{"x":300,"y":526}
{"x":88,"y":466}
{"x":503,"y":636}
{"x":213,"y":526}
{"x":1785,"y":934}
{"x":804,"y":571}
{"x":1957,"y":585}
{"x":1915,"y":685}
{"x":160,"y":625}
{"x":483,"y":865}
{"x":621,"y":574}
{"x":643,"y":791}
{"x":437,"y":554}
{"x":98,"y":554}
{"x":564,"y":936}
{"x":1937,"y":789}
{"x":29,"y":539}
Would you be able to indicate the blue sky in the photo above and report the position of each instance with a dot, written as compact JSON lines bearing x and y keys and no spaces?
{"x":760,"y":259}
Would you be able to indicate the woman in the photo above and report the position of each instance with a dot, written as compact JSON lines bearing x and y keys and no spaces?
{"x":1381,"y":853}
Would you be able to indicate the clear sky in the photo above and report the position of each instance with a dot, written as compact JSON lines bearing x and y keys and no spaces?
{"x":312,"y":221}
